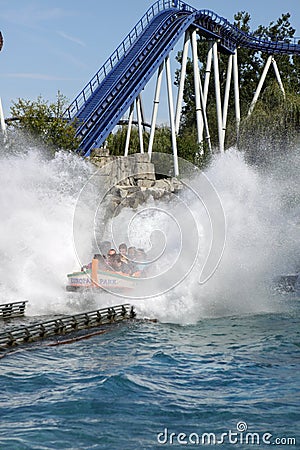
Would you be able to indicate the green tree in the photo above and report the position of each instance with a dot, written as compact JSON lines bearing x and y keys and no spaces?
{"x":116,"y":141}
{"x":188,"y":147}
{"x":288,"y":65}
{"x":251,"y":64}
{"x":44,"y":121}
{"x":162,"y":140}
{"x":273,"y":129}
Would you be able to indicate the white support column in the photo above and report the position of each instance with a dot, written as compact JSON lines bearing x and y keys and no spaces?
{"x":278,"y":76}
{"x":206,"y":86}
{"x":226,"y":97}
{"x":140,"y":128}
{"x":182,"y":80}
{"x":236,"y":94}
{"x":260,"y":84}
{"x":171,"y":114}
{"x":2,"y":122}
{"x":155,"y":108}
{"x":197,"y":88}
{"x":205,"y":121}
{"x":207,"y":72}
{"x":218,"y":96}
{"x":130,"y":118}
{"x":142,"y":112}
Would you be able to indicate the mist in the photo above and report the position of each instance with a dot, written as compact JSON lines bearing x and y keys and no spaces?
{"x":38,"y":197}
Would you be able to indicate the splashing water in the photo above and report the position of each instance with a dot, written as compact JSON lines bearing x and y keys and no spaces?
{"x":262,"y":236}
{"x":38,"y":197}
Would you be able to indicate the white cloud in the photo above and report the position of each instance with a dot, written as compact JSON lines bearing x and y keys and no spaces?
{"x":71,"y":38}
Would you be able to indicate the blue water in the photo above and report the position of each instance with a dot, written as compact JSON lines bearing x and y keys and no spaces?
{"x":223,"y":358}
{"x":135,"y":385}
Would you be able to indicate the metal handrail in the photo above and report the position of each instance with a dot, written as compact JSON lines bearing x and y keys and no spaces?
{"x":248,"y":39}
{"x":229,"y":33}
{"x":111,"y":62}
{"x":112,"y":90}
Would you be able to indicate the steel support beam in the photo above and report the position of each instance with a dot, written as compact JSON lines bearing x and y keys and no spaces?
{"x":171,"y":114}
{"x":236,"y":94}
{"x":278,"y":76}
{"x":182,"y":80}
{"x":197,"y":87}
{"x":260,"y":84}
{"x":226,"y":97}
{"x":155,"y":108}
{"x":129,"y":129}
{"x":140,"y":126}
{"x":207,"y":72}
{"x":218,"y":96}
{"x":2,"y":122}
{"x":205,"y":121}
{"x":142,"y":112}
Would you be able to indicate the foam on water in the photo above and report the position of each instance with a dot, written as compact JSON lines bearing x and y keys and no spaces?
{"x":37,"y":200}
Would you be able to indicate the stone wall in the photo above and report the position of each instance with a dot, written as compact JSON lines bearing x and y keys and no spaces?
{"x":131,"y":180}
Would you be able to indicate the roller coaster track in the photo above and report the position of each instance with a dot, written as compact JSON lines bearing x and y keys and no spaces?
{"x":108,"y":95}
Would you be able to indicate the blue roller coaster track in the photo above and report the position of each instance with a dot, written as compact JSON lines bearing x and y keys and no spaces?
{"x":103,"y":101}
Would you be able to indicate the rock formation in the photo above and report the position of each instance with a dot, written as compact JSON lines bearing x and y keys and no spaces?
{"x":130,"y":181}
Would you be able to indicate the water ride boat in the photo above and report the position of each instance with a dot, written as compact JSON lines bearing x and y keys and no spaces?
{"x":95,"y":278}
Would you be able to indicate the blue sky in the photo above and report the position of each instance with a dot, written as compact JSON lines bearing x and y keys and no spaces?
{"x":52,"y":45}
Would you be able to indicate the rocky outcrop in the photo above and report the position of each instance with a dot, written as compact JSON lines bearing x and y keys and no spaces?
{"x":132,"y":180}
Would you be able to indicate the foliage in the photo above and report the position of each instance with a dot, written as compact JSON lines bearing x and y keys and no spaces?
{"x":188,"y":148}
{"x":277,"y":121}
{"x":44,"y":121}
{"x":274,"y":128}
{"x":275,"y":118}
{"x":116,"y":141}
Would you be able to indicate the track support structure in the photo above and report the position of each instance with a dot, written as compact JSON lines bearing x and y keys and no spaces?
{"x":145,"y":51}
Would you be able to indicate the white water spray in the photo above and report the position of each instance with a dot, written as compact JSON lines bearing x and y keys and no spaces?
{"x":37,"y":200}
{"x":262,"y":241}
